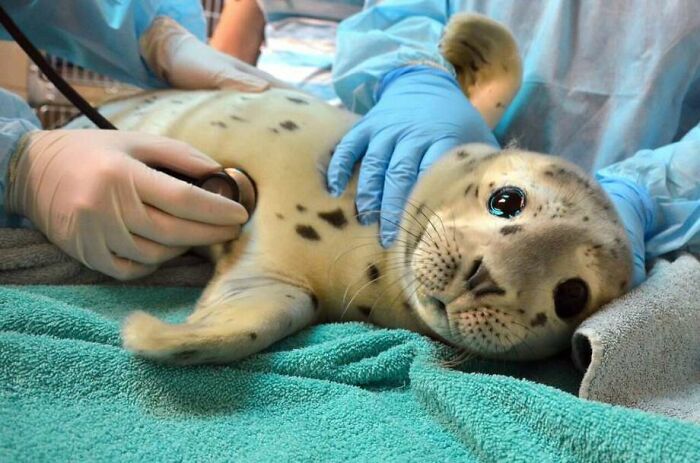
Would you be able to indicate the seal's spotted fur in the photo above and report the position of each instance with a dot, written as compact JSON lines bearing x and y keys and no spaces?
{"x":457,"y":273}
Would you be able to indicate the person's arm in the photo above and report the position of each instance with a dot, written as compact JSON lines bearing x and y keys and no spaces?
{"x":657,"y":195}
{"x":389,"y":66}
{"x":102,"y":36}
{"x":388,"y":36}
{"x":16,"y":120}
{"x":240,"y":31}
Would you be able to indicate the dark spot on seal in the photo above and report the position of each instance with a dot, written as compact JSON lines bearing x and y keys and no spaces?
{"x":476,"y":192}
{"x":365,"y":310}
{"x":469,"y":187}
{"x":279,"y":216}
{"x":511,"y":229}
{"x":336,"y":218}
{"x":237,"y":118}
{"x":462,"y":154}
{"x":289,"y":296}
{"x":289,"y":125}
{"x":308,"y":232}
{"x":491,"y":184}
{"x":274,"y":130}
{"x":585,"y":218}
{"x":539,"y":320}
{"x":185,"y":355}
{"x":623,"y":285}
{"x":474,"y":51}
{"x":499,"y":104}
{"x":297,"y":100}
{"x":301,"y":208}
{"x":549,"y":173}
{"x":373,"y":273}
{"x":597,"y":246}
{"x":407,"y":306}
{"x":521,"y":311}
{"x":219,"y":124}
{"x":253,"y":336}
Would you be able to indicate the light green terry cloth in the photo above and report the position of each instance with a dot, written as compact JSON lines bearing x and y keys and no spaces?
{"x":336,"y":392}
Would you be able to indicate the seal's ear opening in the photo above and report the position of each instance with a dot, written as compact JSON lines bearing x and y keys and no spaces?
{"x":487,"y":61}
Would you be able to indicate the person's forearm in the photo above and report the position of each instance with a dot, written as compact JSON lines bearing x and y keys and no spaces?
{"x":240,"y":31}
{"x":102,"y":39}
{"x":671,"y":176}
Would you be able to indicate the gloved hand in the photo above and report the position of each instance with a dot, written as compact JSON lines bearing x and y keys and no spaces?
{"x":420,"y":114}
{"x":179,"y":58}
{"x":636,"y":210}
{"x":92,"y":194}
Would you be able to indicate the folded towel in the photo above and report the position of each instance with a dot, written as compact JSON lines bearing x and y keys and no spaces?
{"x":643,"y":350}
{"x":26,"y":257}
{"x":334,"y":392}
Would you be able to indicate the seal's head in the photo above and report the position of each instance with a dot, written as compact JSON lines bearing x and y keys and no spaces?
{"x":507,"y":251}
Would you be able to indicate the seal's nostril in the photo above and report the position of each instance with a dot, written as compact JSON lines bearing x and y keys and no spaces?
{"x":480,"y":281}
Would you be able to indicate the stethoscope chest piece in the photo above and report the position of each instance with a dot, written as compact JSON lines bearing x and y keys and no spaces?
{"x":233,"y":184}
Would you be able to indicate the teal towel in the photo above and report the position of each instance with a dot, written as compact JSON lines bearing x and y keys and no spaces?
{"x":336,"y":392}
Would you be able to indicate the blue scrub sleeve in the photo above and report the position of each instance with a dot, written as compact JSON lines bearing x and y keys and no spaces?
{"x":16,"y":119}
{"x":382,"y":38}
{"x":667,"y":179}
{"x":102,"y":36}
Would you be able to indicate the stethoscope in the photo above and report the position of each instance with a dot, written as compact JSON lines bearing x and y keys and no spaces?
{"x":231,"y":183}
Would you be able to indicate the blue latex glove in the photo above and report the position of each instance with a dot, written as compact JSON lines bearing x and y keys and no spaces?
{"x":421,"y":113}
{"x":636,"y":210}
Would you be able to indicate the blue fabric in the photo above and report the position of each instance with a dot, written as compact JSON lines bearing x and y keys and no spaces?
{"x":101,"y":36}
{"x":421,"y":114}
{"x":16,"y":119}
{"x":603,"y":82}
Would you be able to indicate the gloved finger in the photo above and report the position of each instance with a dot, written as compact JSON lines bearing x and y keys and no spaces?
{"x":90,"y":248}
{"x":249,"y":70}
{"x":639,"y":273}
{"x":400,"y":179}
{"x":436,"y":151}
{"x":142,"y":250}
{"x":186,"y":201}
{"x":232,"y":79}
{"x":370,"y":184}
{"x":350,"y":149}
{"x":172,"y":154}
{"x":170,"y":231}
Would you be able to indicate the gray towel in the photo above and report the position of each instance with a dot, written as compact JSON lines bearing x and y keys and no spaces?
{"x":26,"y":257}
{"x":643,"y":349}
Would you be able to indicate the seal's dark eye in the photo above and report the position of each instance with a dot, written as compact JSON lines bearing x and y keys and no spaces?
{"x":570,"y":297}
{"x":507,"y":202}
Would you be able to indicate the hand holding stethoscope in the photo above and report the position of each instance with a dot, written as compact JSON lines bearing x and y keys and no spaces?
{"x":93,"y":194}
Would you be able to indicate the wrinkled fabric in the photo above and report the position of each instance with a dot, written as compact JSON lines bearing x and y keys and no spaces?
{"x":300,"y":42}
{"x":100,"y":36}
{"x":603,"y":82}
